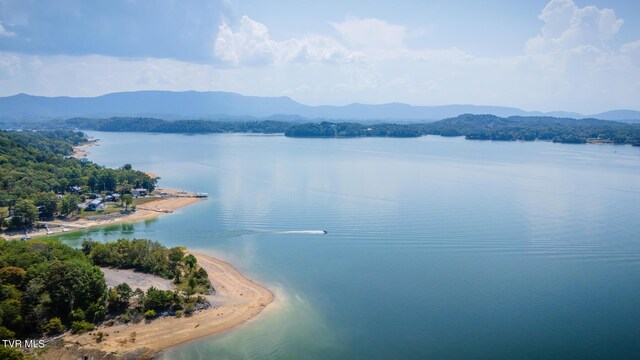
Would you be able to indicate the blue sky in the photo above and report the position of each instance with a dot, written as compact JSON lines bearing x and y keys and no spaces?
{"x":537,"y":55}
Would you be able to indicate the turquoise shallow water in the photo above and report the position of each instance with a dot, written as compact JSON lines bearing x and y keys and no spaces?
{"x":437,"y":247}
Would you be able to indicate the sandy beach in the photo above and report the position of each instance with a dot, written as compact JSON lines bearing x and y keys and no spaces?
{"x":237,"y":300}
{"x":81,"y":150}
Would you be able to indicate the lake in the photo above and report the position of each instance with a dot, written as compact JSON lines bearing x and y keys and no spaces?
{"x":436,"y":247}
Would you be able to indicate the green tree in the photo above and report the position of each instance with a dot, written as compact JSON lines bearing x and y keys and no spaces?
{"x":25,"y":213}
{"x":77,"y":315}
{"x":4,"y":213}
{"x":127,"y":200}
{"x":12,"y":275}
{"x":7,"y":353}
{"x":158,"y":299}
{"x":191,"y":261}
{"x":119,"y":297}
{"x":70,"y":285}
{"x":69,"y":204}
{"x":124,"y":291}
{"x":107,"y":180}
{"x":54,"y":326}
{"x":47,"y":204}
{"x":6,"y":334}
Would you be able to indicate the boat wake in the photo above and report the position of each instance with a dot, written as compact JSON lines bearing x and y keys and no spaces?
{"x":308,"y":232}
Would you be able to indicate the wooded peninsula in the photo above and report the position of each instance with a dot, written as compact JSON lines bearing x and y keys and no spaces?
{"x":40,"y":180}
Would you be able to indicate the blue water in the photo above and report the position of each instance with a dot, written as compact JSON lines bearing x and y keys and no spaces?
{"x":436,"y":247}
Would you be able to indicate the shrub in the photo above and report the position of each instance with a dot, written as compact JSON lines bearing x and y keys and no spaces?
{"x":77,"y":315}
{"x":99,"y":336}
{"x":78,"y":327}
{"x":7,"y":353}
{"x":150,"y":314}
{"x":6,"y":334}
{"x":54,"y":326}
{"x":189,"y":308}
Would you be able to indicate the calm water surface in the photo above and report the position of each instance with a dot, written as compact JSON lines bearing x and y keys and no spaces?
{"x":437,"y":247}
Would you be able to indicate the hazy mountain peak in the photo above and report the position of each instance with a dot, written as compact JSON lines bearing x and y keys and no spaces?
{"x":216,"y":104}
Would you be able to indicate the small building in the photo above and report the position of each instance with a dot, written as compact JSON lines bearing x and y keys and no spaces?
{"x":94,"y":205}
{"x":202,"y":195}
{"x":139,"y":192}
{"x":115,"y":197}
{"x":76,"y":189}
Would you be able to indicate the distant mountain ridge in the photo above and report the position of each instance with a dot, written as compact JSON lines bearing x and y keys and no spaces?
{"x":225,"y":105}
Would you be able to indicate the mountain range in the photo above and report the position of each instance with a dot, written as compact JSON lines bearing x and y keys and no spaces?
{"x":228,"y":106}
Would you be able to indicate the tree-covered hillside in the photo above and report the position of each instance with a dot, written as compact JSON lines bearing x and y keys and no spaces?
{"x":563,"y":130}
{"x":38,"y":180}
{"x":162,"y":126}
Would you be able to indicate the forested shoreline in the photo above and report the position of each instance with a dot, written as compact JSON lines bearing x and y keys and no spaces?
{"x":486,"y":127}
{"x":40,"y":180}
{"x":142,"y":124}
{"x":472,"y":127}
{"x":47,"y":288}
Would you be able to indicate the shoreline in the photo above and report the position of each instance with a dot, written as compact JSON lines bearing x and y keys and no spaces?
{"x":80,"y":151}
{"x":167,"y":204}
{"x":237,"y":300}
{"x":170,"y":201}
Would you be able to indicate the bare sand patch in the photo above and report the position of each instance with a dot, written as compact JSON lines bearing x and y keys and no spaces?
{"x":135,"y":279}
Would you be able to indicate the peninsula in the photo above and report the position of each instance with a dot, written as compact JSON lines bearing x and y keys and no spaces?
{"x":48,"y":186}
{"x":237,"y":299}
{"x":179,"y":296}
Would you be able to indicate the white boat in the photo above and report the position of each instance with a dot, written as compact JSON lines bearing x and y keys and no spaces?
{"x":49,"y":232}
{"x":64,"y":229}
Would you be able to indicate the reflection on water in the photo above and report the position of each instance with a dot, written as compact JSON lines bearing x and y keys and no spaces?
{"x":436,"y":247}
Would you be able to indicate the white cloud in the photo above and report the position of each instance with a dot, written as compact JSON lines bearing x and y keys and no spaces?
{"x":569,"y":65}
{"x":4,"y":32}
{"x":10,"y":66}
{"x":631,"y":48}
{"x":567,"y":26}
{"x":252,"y":45}
{"x":371,"y":34}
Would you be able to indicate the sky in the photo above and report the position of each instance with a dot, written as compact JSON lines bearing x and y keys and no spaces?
{"x":548,"y":55}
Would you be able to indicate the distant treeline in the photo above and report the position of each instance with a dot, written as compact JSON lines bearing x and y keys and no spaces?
{"x":485,"y":127}
{"x":473,"y":127}
{"x":59,"y":142}
{"x":125,"y":124}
